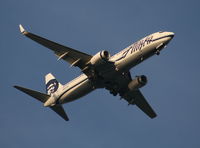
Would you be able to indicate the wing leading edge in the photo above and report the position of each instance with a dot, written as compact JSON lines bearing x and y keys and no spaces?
{"x":72,"y":56}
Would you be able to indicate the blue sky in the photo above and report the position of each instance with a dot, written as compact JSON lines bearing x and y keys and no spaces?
{"x":100,"y":119}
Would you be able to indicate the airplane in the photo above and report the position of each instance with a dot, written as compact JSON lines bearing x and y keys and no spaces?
{"x":99,"y":71}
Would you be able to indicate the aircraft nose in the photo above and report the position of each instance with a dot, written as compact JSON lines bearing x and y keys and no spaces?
{"x":168,"y":37}
{"x":171,"y":34}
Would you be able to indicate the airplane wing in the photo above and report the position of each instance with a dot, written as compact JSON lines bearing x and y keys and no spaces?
{"x":72,"y":56}
{"x":132,"y":97}
{"x":136,"y":97}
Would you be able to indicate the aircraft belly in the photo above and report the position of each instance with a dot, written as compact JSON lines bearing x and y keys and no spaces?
{"x":76,"y":92}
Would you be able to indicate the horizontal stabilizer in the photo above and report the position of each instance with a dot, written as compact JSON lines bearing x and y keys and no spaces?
{"x":37,"y":95}
{"x":59,"y":110}
{"x":43,"y":98}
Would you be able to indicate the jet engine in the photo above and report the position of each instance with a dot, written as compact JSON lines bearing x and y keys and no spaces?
{"x":100,"y":57}
{"x":137,"y":83}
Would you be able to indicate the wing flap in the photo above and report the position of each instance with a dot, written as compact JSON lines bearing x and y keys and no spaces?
{"x":63,"y":52}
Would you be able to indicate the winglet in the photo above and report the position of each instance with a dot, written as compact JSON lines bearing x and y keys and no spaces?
{"x":21,"y":28}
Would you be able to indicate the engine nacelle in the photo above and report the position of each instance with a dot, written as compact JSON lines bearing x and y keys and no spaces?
{"x":137,"y":83}
{"x":100,"y":57}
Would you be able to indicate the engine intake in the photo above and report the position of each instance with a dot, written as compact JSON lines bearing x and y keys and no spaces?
{"x":137,"y":83}
{"x":100,"y":57}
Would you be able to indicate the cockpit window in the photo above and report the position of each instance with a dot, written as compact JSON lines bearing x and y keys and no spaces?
{"x":161,"y":31}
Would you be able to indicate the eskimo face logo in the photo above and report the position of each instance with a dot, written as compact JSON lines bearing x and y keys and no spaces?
{"x":52,"y":86}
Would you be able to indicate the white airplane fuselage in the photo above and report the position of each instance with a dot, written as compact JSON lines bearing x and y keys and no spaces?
{"x":99,"y":71}
{"x":123,"y":61}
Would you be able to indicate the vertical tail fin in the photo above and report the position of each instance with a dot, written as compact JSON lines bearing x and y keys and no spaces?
{"x":52,"y":85}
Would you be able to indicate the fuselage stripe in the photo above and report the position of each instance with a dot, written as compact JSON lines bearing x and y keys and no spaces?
{"x":71,"y":88}
{"x":162,"y":37}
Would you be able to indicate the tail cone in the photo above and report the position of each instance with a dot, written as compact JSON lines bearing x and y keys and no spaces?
{"x":50,"y":102}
